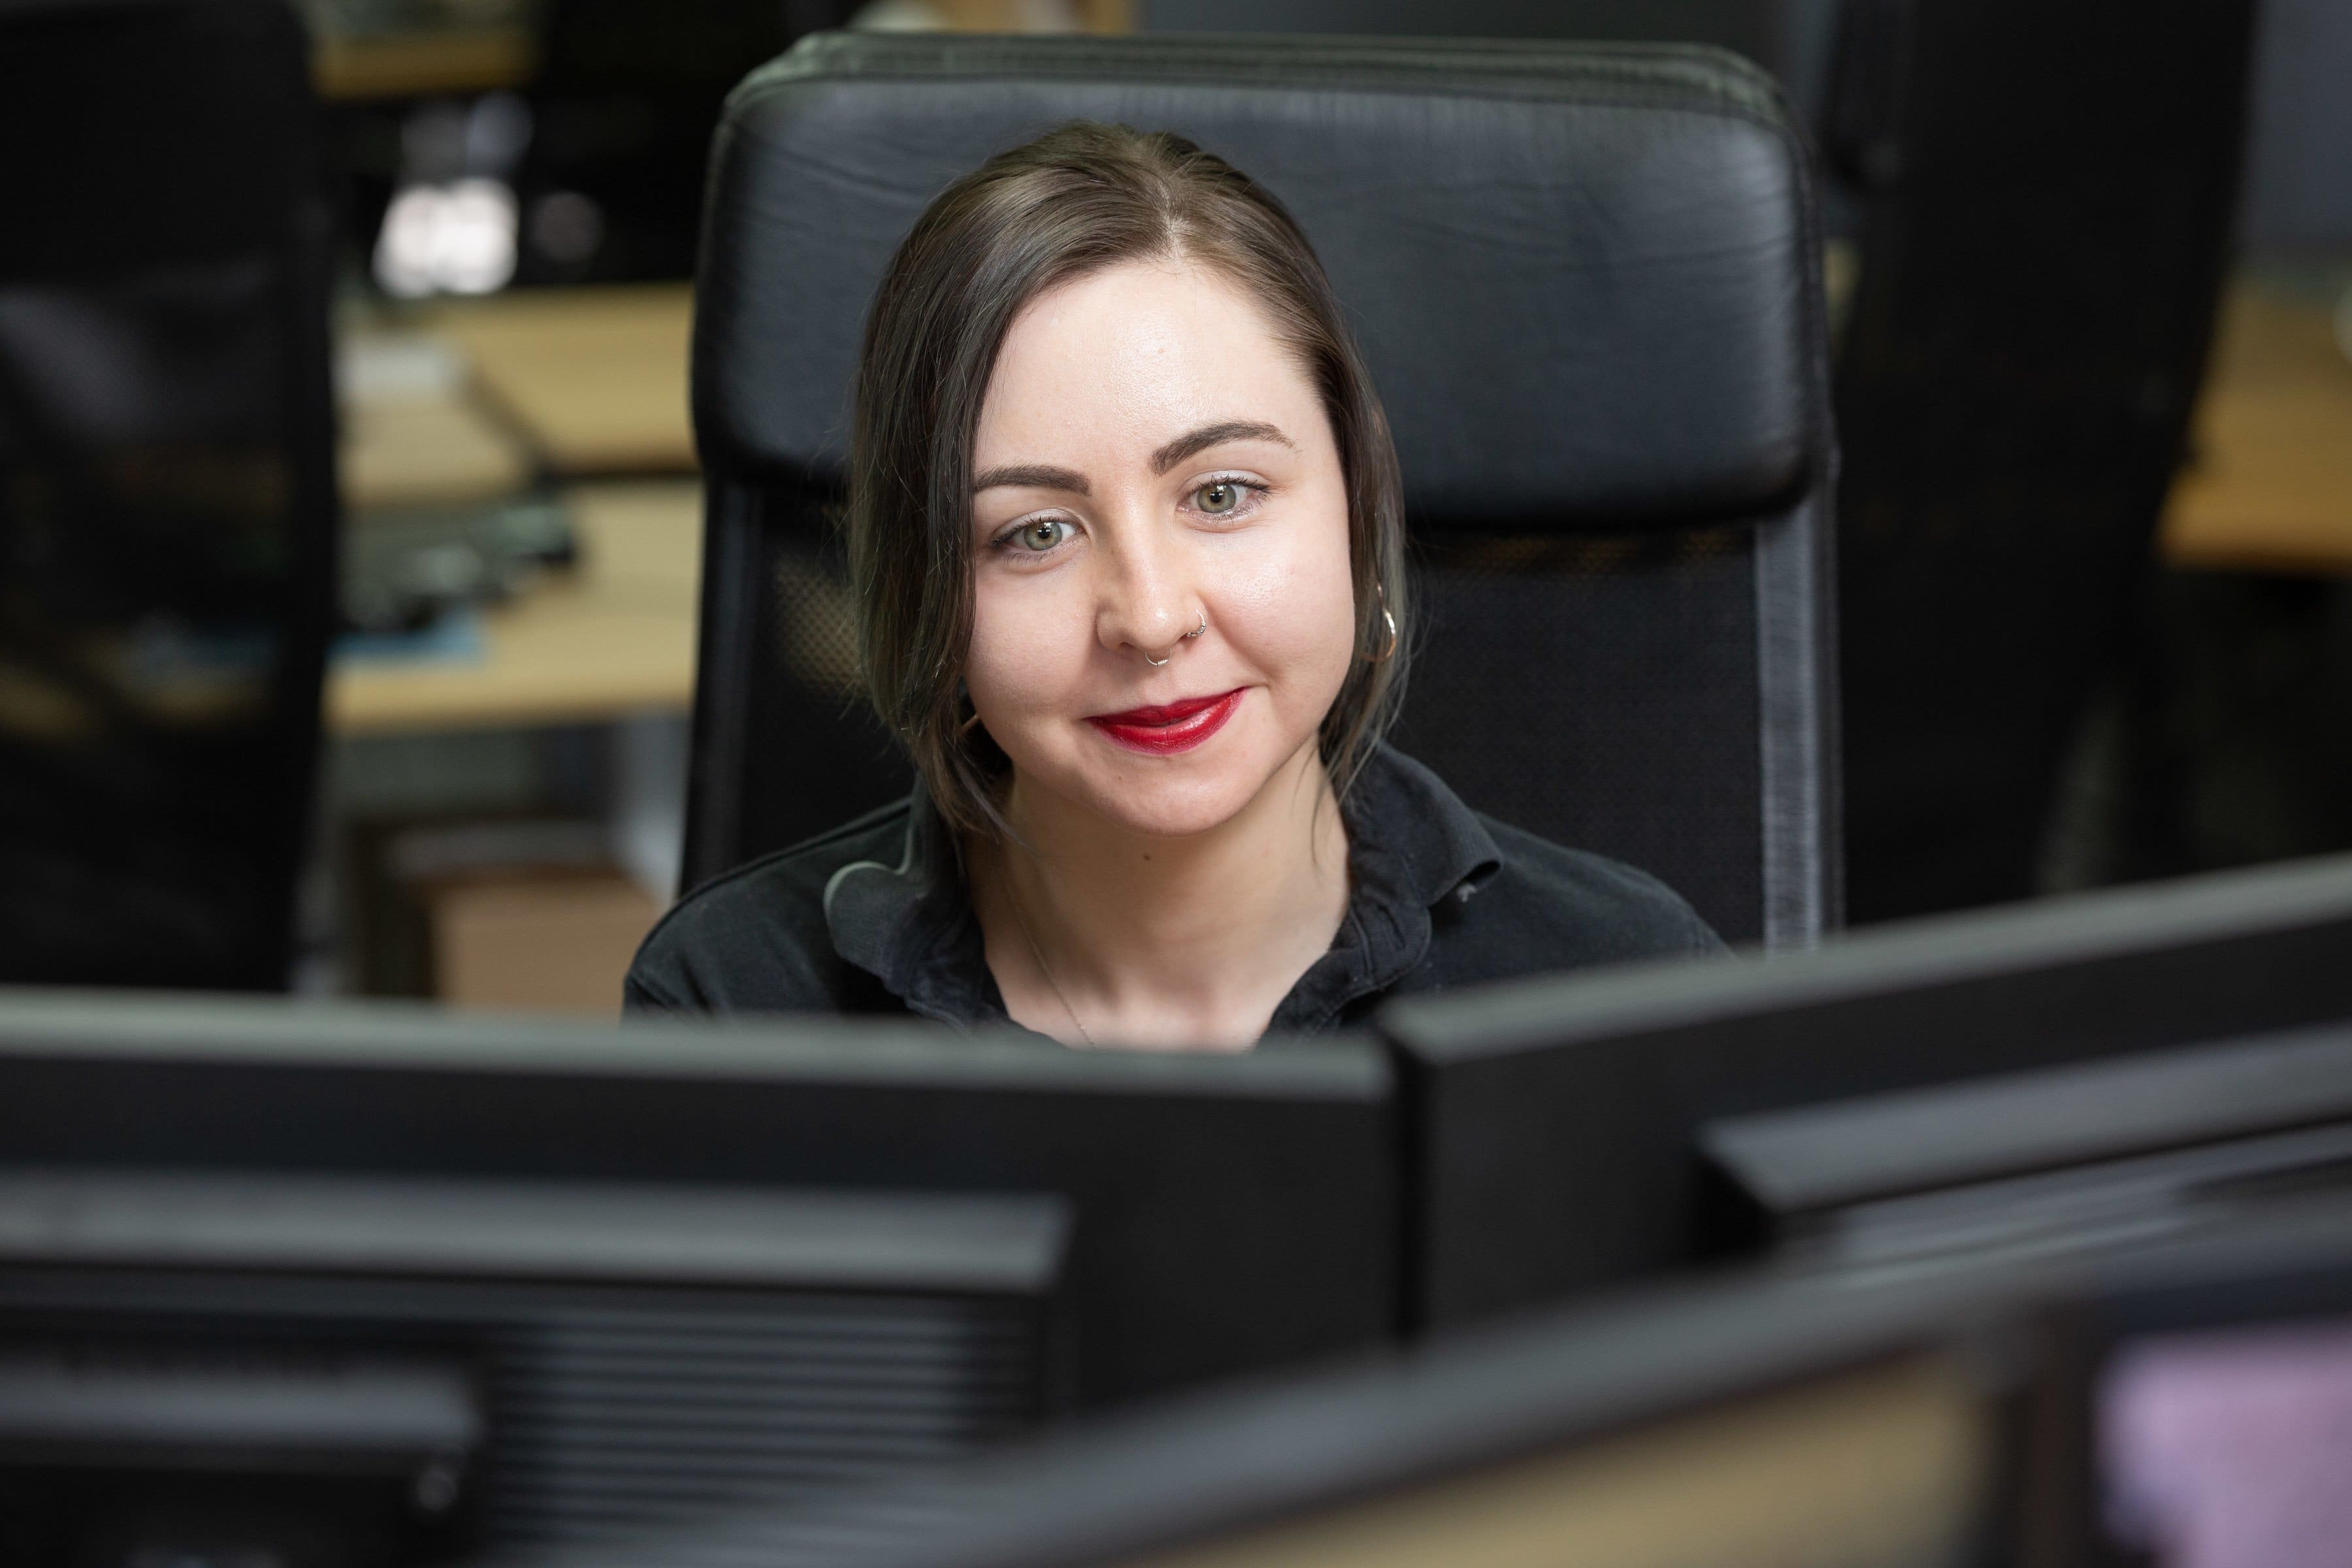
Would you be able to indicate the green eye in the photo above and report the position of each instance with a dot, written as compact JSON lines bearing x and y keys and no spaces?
{"x":1043,"y":534}
{"x":1218,"y":496}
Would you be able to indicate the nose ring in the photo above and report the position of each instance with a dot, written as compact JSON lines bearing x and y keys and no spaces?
{"x":1196,"y":631}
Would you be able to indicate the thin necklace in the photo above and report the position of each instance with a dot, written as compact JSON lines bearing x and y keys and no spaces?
{"x":1043,"y":968}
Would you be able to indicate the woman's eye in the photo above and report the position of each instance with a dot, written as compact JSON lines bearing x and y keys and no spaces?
{"x":1043,"y":534}
{"x":1218,"y":496}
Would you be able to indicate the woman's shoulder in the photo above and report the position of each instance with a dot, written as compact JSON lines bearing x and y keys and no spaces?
{"x":1570,"y":908}
{"x":755,"y":938}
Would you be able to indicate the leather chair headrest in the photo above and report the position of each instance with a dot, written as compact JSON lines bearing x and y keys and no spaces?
{"x":1584,"y":276}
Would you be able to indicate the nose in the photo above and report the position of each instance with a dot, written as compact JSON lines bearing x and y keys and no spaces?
{"x":1148,"y":600}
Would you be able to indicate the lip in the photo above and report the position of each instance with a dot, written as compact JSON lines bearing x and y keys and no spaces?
{"x":1165,"y":729}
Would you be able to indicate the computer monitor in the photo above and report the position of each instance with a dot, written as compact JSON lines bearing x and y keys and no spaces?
{"x":509,"y":1282}
{"x":2029,"y":1164}
{"x":1740,"y":1423}
{"x":1553,"y":1131}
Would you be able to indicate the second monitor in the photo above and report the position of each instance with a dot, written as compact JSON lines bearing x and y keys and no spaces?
{"x":1556,"y":1126}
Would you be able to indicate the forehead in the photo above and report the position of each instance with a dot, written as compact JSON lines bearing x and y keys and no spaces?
{"x":1120,"y":361}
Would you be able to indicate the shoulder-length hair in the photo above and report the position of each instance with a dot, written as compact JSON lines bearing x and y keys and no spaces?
{"x":1081,"y":197}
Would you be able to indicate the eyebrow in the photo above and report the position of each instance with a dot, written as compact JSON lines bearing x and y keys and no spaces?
{"x":1033,"y":477}
{"x":1216,"y":434}
{"x":1045,"y":477}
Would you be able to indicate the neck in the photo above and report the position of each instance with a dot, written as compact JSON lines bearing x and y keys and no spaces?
{"x":1191,"y":940}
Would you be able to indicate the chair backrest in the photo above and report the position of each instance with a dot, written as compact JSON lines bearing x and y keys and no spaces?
{"x":1586,"y":280}
{"x":2047,"y":200}
{"x":167,"y":506}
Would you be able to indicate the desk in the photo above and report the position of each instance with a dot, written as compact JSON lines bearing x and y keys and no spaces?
{"x":418,"y":451}
{"x":593,"y":379}
{"x":613,"y":638}
{"x":422,"y":65}
{"x":2269,"y":487}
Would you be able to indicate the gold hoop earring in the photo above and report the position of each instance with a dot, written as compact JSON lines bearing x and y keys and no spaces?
{"x":1389,"y":650}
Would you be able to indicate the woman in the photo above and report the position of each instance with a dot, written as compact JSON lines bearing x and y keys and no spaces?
{"x":1127,"y":536}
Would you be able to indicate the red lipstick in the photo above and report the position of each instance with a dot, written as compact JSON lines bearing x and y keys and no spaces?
{"x":1169,"y":728}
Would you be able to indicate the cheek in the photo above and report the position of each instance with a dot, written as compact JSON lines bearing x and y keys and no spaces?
{"x":1292,"y":612}
{"x":1027,"y":652}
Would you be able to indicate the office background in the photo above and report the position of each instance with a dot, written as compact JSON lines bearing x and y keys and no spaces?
{"x":502,"y":789}
{"x":353,"y":624}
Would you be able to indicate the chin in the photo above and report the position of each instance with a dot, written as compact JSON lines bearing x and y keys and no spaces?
{"x":1173,"y":797}
{"x":1176,"y":804}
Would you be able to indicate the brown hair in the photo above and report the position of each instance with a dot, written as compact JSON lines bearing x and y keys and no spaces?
{"x":1080,"y":198}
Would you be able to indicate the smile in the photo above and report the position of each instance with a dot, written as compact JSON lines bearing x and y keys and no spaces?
{"x":1170,"y":727}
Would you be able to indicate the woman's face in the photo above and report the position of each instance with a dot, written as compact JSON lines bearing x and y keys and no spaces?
{"x":1151,"y":457}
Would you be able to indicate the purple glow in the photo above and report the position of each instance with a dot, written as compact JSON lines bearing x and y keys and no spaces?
{"x":2233,"y":1450}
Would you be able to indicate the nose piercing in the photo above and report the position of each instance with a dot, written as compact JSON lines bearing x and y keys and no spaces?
{"x":1196,"y":631}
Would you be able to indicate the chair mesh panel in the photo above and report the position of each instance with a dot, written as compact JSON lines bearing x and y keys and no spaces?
{"x":814,"y":753}
{"x":1534,"y":697}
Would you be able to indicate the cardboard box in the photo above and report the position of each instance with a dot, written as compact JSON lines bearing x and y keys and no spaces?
{"x":546,"y":940}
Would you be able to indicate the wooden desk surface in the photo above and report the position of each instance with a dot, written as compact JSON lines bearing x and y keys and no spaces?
{"x":594,"y":378}
{"x":2269,"y":485}
{"x":418,"y":451}
{"x":416,"y":64}
{"x":613,"y":638}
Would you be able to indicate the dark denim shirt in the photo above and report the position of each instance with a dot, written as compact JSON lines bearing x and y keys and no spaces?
{"x":874,"y":916}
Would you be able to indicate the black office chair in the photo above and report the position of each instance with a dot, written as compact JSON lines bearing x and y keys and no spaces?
{"x":1586,"y":279}
{"x":167,"y":500}
{"x":2047,"y":195}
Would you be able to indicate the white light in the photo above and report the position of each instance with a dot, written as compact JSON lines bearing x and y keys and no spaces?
{"x":457,"y":238}
{"x":403,"y":250}
{"x":478,"y":236}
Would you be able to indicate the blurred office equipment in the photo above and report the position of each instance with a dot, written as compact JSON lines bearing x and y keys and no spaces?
{"x":2210,"y":1380}
{"x":2047,"y":198}
{"x":2024,"y":1164}
{"x":622,"y":109}
{"x":1588,"y":285}
{"x":1558,"y":1125}
{"x":317,"y":1371}
{"x":628,"y":97}
{"x":167,"y":495}
{"x":404,"y":571}
{"x":2178,"y":1403}
{"x":1226,"y":1214}
{"x":1756,"y":1422}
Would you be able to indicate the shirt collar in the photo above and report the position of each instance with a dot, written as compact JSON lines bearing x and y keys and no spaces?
{"x":1412,"y":842}
{"x":911,"y":926}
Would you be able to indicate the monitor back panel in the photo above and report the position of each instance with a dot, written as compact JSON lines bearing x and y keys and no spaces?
{"x":471,"y":1364}
{"x":1228,"y":1213}
{"x":1555,"y":1124}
